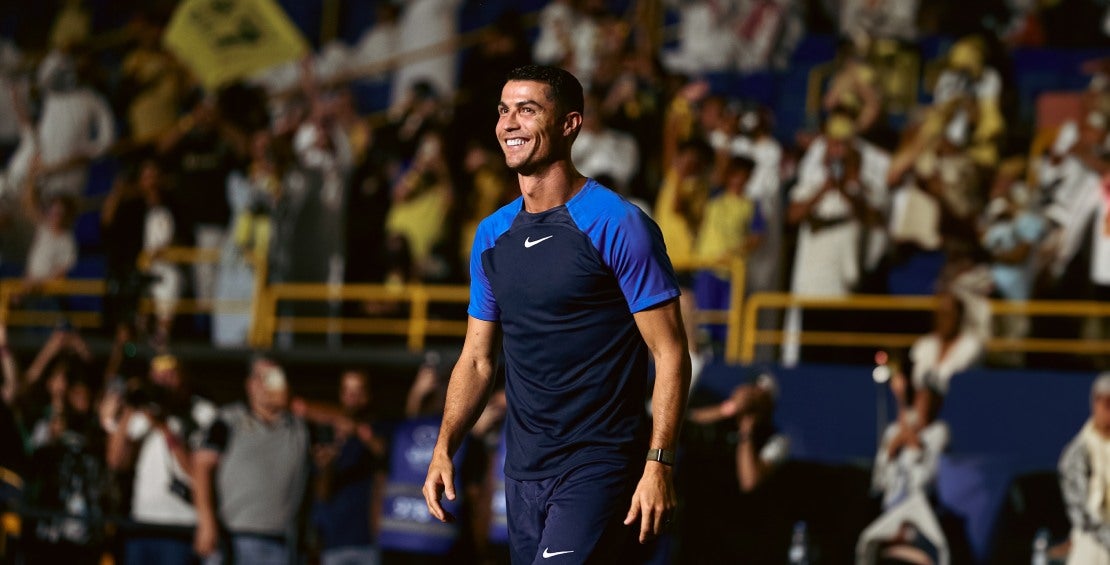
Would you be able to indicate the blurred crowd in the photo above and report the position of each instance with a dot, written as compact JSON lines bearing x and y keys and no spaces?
{"x":879,"y":193}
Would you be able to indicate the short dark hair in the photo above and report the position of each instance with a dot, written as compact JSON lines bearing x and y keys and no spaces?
{"x":741,"y":163}
{"x":565,"y":88}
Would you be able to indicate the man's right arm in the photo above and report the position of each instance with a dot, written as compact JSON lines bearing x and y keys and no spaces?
{"x":1075,"y":472}
{"x":467,"y":392}
{"x":205,"y":460}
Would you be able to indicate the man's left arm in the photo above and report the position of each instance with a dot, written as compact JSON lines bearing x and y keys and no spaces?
{"x":654,"y":499}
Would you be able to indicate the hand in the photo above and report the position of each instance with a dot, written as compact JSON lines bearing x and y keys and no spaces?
{"x":205,"y":538}
{"x":365,"y":434}
{"x":741,"y":400}
{"x":653,"y":502}
{"x":441,"y":479}
{"x":425,"y":381}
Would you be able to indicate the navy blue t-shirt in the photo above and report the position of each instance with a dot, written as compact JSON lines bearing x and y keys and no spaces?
{"x":564,"y":284}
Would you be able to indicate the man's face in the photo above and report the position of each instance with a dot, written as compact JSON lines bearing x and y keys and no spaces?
{"x":531,"y":130}
{"x":353,"y":395}
{"x":1100,"y":414}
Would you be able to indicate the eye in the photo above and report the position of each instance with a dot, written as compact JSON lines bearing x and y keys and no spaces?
{"x":527,"y":110}
{"x":502,"y":110}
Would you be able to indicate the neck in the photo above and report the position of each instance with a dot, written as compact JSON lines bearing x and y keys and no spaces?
{"x":550,"y":188}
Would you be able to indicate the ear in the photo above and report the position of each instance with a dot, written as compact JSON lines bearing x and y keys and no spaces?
{"x":572,"y":122}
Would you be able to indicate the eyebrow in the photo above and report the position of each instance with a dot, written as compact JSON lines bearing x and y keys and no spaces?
{"x":502,"y":104}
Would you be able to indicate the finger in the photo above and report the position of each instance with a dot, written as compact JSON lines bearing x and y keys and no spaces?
{"x":657,"y":522}
{"x":431,"y":497}
{"x":645,"y":525}
{"x":449,"y":482}
{"x":633,"y":511}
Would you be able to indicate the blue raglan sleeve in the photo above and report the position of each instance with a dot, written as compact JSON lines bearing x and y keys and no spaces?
{"x":482,"y":303}
{"x":632,"y":245}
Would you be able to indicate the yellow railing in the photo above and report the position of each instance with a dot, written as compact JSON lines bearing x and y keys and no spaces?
{"x":417,"y":326}
{"x":752,"y":336}
{"x":742,"y":336}
{"x":11,"y":288}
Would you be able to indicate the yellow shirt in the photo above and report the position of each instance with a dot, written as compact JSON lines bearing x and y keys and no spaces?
{"x":678,"y":211}
{"x":724,"y":231}
{"x":154,"y":109}
{"x":420,"y":218}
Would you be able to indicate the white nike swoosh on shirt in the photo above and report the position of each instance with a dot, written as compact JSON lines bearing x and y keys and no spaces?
{"x":547,"y":554}
{"x":529,"y":243}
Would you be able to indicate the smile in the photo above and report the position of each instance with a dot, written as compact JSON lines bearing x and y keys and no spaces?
{"x":514,"y":142}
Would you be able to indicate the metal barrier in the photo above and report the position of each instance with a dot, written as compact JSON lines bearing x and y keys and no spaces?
{"x":752,"y":336}
{"x":418,"y":326}
{"x":10,"y":288}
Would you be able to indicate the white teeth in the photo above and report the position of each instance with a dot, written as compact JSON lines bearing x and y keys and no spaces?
{"x":514,"y":142}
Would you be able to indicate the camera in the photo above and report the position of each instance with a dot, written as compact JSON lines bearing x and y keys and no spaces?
{"x":836,"y":170}
{"x":152,"y":398}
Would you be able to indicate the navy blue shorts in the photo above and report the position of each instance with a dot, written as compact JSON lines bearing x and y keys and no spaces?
{"x":575,"y":517}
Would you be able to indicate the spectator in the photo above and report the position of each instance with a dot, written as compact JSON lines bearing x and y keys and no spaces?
{"x":122,"y":225}
{"x":76,"y":124}
{"x":1084,"y":473}
{"x":839,"y":203}
{"x":350,"y":478}
{"x":680,"y":119}
{"x":200,"y":152}
{"x":159,"y":227}
{"x":969,"y":91}
{"x":422,"y":200}
{"x":754,"y":141}
{"x":840,"y":196}
{"x":1068,"y":176}
{"x":377,"y":45}
{"x":935,"y":208}
{"x":766,"y":33}
{"x":253,"y":195}
{"x":732,"y":228}
{"x":603,"y":151}
{"x":151,"y":83}
{"x":160,"y":427}
{"x":904,"y":476}
{"x":706,"y":43}
{"x":885,"y":19}
{"x":263,"y":518}
{"x":427,"y":30}
{"x":572,"y":36}
{"x":67,"y":447}
{"x":854,"y":86}
{"x":1013,"y":228}
{"x":732,"y":451}
{"x":943,"y":353}
{"x":53,"y":250}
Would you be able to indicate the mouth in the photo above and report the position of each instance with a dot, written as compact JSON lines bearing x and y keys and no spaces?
{"x":515,"y":142}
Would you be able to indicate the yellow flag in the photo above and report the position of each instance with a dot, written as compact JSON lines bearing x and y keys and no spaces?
{"x":223,"y":40}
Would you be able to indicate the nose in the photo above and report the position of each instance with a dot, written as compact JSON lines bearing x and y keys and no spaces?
{"x":508,"y":121}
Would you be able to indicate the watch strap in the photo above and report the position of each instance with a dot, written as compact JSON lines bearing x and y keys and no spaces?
{"x":664,"y":456}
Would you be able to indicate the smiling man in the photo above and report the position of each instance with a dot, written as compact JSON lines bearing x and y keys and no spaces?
{"x":576,"y":284}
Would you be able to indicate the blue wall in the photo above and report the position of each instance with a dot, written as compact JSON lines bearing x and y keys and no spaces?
{"x":1004,"y":423}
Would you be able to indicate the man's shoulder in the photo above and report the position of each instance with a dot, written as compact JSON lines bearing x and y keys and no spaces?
{"x":497,"y":223}
{"x":1073,"y":458}
{"x":599,"y":205}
